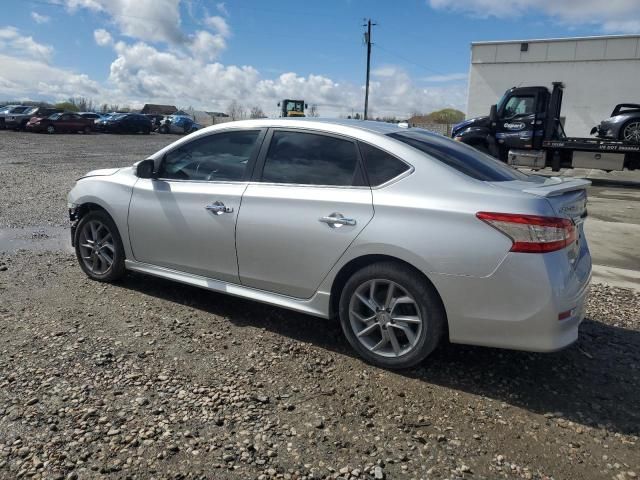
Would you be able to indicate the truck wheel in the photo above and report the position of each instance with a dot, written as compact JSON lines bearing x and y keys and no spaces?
{"x":481,"y":147}
{"x":555,"y":162}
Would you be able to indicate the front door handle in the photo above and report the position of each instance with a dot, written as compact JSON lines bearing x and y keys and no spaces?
{"x":219,"y":208}
{"x":336,"y":220}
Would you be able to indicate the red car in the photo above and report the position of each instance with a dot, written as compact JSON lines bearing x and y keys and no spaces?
{"x":61,"y":122}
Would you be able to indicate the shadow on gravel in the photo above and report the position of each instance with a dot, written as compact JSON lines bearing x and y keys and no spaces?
{"x":594,"y":382}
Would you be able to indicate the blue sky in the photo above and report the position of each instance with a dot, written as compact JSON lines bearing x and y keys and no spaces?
{"x":205,"y":53}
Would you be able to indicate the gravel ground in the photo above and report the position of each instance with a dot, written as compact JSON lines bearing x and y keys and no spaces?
{"x":41,"y":169}
{"x":151,"y":379}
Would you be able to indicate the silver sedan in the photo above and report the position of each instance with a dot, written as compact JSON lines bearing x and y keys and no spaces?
{"x":409,"y":238}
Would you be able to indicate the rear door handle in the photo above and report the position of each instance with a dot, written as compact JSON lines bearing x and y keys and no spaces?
{"x":336,"y":220}
{"x":218,"y":208}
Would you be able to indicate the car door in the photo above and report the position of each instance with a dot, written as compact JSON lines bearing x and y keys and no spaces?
{"x":517,"y":121}
{"x":185,"y":219}
{"x":307,"y":204}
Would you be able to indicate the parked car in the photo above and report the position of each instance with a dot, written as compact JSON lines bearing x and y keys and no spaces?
{"x":67,"y":122}
{"x":11,"y":115}
{"x":156,"y":120}
{"x":91,"y":115}
{"x":407,"y":236}
{"x":125,"y":123}
{"x":43,"y":112}
{"x":624,"y":124}
{"x":180,"y":124}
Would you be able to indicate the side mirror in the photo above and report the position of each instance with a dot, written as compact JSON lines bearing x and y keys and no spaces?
{"x":594,"y":130}
{"x":306,"y":106}
{"x":145,"y":169}
{"x":493,"y":114}
{"x":278,"y":103}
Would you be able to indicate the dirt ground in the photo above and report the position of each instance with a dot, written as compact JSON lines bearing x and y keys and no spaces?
{"x":151,"y":379}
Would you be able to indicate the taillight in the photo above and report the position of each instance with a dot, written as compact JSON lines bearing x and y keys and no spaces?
{"x":532,"y":233}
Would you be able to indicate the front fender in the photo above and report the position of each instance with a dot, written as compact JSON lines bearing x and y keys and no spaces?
{"x":113,"y":194}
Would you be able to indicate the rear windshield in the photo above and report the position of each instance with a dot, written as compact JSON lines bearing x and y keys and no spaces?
{"x":462,"y":157}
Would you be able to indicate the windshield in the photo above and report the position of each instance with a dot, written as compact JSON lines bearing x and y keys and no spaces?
{"x":501,"y":102}
{"x":293,"y":106}
{"x":459,"y":156}
{"x":20,"y":109}
{"x":55,"y":116}
{"x":118,"y":116}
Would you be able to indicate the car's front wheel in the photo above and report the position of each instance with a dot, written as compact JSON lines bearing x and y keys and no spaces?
{"x":391,"y":315}
{"x":51,"y":129}
{"x":99,"y":247}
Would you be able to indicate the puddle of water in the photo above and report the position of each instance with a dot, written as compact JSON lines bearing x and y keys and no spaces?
{"x":57,"y":239}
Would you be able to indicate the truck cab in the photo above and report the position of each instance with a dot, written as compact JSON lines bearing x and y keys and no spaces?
{"x":521,"y":120}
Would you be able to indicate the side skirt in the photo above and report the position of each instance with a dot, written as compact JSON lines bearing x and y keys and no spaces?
{"x":318,"y":305}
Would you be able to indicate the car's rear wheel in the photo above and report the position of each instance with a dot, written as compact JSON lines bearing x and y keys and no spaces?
{"x":87,"y":130}
{"x":631,"y":132}
{"x":99,"y":247}
{"x":51,"y":129}
{"x":391,"y":315}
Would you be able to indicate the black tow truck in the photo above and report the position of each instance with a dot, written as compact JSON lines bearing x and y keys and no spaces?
{"x":524,"y":129}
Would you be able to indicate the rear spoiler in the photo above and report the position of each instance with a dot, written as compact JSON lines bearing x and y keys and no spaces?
{"x":557,"y":186}
{"x":629,"y":108}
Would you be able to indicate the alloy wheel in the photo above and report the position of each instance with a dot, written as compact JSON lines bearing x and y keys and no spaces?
{"x":385,"y":318}
{"x":51,"y":129}
{"x":632,"y":132}
{"x":97,"y":249}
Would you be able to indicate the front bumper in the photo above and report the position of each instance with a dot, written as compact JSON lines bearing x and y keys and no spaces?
{"x":519,"y":305}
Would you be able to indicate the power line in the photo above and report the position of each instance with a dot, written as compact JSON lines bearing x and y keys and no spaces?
{"x":397,"y":55}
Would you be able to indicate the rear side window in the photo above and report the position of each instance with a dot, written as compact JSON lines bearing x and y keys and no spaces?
{"x":217,"y":157}
{"x":311,"y":159}
{"x":379,"y":165}
{"x":459,"y":156}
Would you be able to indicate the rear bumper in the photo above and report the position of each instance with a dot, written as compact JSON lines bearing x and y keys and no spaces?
{"x":518,"y":306}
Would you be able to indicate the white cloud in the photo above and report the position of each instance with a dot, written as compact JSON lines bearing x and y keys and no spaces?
{"x":150,"y":20}
{"x":102,"y":37}
{"x":619,"y":16}
{"x":39,"y":19}
{"x":11,"y":40}
{"x":142,"y":73}
{"x":219,"y":24}
{"x":206,"y":46}
{"x":29,"y":78}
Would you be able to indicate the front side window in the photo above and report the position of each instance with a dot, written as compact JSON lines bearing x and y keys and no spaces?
{"x":379,"y":165}
{"x":311,"y":159}
{"x":519,"y":105}
{"x":217,"y":157}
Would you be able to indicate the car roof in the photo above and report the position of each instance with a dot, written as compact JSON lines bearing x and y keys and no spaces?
{"x":323,"y":124}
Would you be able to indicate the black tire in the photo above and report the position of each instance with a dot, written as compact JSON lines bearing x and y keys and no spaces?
{"x":86,"y":130}
{"x":624,"y":127}
{"x":116,"y":269}
{"x":426,"y":301}
{"x":163,"y":129}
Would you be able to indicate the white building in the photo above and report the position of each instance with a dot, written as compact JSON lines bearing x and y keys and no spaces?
{"x":597,"y":72}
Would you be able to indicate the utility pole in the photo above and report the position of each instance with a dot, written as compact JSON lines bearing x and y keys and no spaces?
{"x":367,"y":39}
